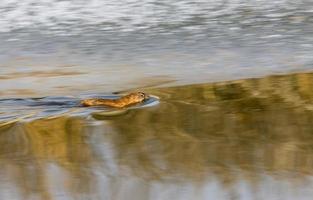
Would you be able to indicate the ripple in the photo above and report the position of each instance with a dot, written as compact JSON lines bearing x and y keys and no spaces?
{"x":17,"y":109}
{"x":130,"y":15}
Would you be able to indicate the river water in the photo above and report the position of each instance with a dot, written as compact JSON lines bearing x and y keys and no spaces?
{"x":226,"y":126}
{"x":104,"y":46}
{"x":245,"y":139}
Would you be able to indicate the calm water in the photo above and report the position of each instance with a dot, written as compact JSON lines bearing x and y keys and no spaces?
{"x":245,"y":139}
{"x":205,"y":139}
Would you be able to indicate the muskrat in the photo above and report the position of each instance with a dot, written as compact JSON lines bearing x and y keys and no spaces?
{"x":124,"y":101}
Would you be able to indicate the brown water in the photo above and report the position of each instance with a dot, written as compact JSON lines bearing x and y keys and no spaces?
{"x":245,"y":139}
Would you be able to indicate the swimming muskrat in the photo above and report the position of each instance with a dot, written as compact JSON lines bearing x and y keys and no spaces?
{"x":124,"y":101}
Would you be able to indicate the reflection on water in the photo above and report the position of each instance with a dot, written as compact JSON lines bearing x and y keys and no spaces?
{"x":246,"y":139}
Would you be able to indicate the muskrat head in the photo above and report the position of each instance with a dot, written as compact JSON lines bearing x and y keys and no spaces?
{"x":137,"y":97}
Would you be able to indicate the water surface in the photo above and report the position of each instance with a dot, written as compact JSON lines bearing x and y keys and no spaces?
{"x":244,"y":139}
{"x":68,"y":47}
{"x":249,"y":138}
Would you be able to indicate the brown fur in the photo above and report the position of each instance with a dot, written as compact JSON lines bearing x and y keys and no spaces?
{"x":121,"y":102}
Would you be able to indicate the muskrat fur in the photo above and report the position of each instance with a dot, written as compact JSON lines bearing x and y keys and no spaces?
{"x":124,"y":101}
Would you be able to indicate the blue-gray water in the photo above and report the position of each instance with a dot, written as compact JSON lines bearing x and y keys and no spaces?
{"x":246,"y":139}
{"x":117,"y":45}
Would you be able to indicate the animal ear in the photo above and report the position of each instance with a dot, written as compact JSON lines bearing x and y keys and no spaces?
{"x":142,"y":94}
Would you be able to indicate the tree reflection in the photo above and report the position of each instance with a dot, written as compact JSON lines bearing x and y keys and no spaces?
{"x":234,"y":130}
